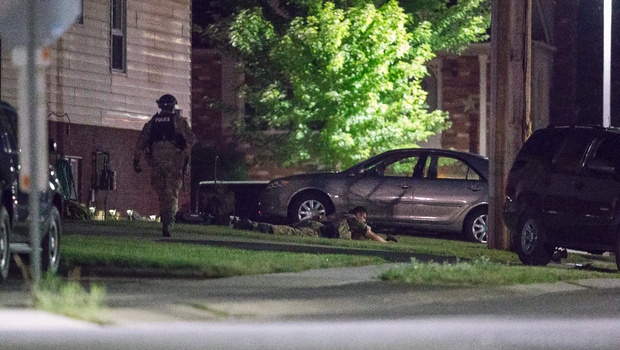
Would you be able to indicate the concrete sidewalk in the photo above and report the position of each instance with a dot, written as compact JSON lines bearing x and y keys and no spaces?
{"x":335,"y":293}
{"x":134,"y":301}
{"x":324,"y":294}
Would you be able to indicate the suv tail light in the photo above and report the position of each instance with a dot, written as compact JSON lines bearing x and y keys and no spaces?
{"x":510,"y":186}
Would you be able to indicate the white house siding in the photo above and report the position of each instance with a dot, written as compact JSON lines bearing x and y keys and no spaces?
{"x":82,"y":85}
{"x":106,"y":109}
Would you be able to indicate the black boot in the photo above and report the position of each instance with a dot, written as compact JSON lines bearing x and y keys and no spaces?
{"x":244,"y":224}
{"x":165,"y":230}
{"x":264,"y":228}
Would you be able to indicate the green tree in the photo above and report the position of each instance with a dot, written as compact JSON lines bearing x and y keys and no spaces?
{"x":341,"y":80}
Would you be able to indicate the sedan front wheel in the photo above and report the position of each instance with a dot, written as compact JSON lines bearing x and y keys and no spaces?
{"x":308,"y":206}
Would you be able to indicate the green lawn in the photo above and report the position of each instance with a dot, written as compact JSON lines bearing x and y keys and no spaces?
{"x":486,"y":273}
{"x":139,"y":255}
{"x":478,"y":264}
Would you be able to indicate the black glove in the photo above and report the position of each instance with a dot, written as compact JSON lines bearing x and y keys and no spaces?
{"x":136,"y":166}
{"x":391,"y":238}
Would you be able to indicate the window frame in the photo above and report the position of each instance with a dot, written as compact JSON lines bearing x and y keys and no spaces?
{"x":81,"y":16}
{"x":571,"y":156}
{"x":118,"y":30}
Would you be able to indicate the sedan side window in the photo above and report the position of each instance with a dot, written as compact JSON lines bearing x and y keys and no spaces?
{"x":402,"y":167}
{"x":442,"y":167}
{"x":396,"y":167}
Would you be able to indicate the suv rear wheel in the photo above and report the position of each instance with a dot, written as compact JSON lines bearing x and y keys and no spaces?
{"x":50,"y":252}
{"x":531,"y":243}
{"x":617,"y":251}
{"x":5,"y":256}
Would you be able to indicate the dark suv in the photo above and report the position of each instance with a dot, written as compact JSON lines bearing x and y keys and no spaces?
{"x":563,"y":192}
{"x":14,"y":232}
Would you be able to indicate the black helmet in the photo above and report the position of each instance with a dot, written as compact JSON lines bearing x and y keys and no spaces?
{"x":167,"y":102}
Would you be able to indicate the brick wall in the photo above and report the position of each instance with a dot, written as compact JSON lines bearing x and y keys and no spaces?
{"x":206,"y":97}
{"x":133,"y":191}
{"x":461,"y":98}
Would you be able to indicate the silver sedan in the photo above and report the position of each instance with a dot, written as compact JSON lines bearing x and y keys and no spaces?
{"x":419,"y":189}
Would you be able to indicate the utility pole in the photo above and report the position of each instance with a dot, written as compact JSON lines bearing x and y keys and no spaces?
{"x":28,"y":27}
{"x":510,"y":70}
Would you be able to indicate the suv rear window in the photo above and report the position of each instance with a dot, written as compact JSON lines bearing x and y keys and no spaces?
{"x":607,"y":151}
{"x":573,"y":152}
{"x":544,"y":143}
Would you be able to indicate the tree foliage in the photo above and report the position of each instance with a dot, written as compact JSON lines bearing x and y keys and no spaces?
{"x":341,"y":80}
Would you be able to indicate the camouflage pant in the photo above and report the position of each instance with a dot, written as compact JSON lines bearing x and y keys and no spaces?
{"x":166,"y":178}
{"x":305,"y":228}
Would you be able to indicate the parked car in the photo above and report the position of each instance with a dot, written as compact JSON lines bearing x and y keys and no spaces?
{"x":14,"y":229}
{"x":419,"y":189}
{"x":563,"y":192}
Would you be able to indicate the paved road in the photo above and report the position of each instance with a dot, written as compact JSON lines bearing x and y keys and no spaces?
{"x":455,"y":333}
{"x":344,"y":308}
{"x":330,"y":309}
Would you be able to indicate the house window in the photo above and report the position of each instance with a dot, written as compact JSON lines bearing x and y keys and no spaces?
{"x":118,"y":43}
{"x":68,"y":174}
{"x":81,"y":17}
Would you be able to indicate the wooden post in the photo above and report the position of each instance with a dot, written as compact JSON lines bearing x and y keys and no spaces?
{"x":527,"y":88}
{"x":509,"y":70}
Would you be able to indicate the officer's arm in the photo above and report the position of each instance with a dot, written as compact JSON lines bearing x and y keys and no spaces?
{"x":187,"y":133}
{"x":143,"y":141}
{"x":373,"y":236}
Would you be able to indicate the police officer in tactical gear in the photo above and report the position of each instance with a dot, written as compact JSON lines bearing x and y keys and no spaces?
{"x":351,"y":225}
{"x":166,"y":141}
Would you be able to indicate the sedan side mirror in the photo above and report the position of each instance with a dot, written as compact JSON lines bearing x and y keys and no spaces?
{"x":361,"y":172}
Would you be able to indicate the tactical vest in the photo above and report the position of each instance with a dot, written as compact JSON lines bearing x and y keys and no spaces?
{"x":162,"y":128}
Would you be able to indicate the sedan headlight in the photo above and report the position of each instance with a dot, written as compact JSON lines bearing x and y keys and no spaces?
{"x":276,"y":184}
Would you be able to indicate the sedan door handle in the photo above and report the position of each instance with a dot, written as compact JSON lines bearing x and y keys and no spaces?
{"x":405,"y":186}
{"x":475,"y":188}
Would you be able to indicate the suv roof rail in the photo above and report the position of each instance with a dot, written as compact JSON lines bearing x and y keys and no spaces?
{"x":5,"y":104}
{"x":592,"y":126}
